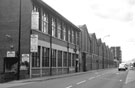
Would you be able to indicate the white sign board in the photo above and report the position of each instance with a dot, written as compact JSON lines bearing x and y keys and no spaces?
{"x":10,"y":53}
{"x":34,"y":43}
{"x":25,"y":57}
{"x":35,"y":20}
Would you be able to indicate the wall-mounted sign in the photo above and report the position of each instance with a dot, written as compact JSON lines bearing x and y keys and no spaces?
{"x":35,"y":20}
{"x":10,"y":53}
{"x":25,"y":57}
{"x":34,"y":43}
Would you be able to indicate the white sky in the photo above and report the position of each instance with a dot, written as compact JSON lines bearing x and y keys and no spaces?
{"x":103,"y":17}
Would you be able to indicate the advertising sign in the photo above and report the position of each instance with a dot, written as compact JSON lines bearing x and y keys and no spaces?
{"x":25,"y":57}
{"x":35,"y":20}
{"x":34,"y":43}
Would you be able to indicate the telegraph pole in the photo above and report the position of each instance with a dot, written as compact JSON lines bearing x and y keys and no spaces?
{"x":19,"y":43}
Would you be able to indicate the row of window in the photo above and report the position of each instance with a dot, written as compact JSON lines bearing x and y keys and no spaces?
{"x":59,"y":29}
{"x":58,"y":58}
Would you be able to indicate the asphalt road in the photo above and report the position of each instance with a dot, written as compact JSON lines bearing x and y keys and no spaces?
{"x":99,"y":79}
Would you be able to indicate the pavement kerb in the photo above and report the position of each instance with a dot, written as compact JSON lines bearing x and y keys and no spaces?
{"x":45,"y":78}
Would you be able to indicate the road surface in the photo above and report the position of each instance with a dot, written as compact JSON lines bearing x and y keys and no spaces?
{"x":111,"y":78}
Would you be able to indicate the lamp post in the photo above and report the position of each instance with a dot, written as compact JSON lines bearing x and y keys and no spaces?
{"x":19,"y":43}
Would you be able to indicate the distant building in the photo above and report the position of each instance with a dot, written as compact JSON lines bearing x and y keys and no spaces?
{"x":117,"y":53}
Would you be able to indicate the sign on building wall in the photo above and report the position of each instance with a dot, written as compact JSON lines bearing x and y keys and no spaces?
{"x":25,"y":57}
{"x":35,"y":20}
{"x":34,"y":43}
{"x":10,"y":53}
{"x":24,"y":62}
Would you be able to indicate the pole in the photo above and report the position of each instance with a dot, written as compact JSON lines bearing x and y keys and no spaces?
{"x":19,"y":42}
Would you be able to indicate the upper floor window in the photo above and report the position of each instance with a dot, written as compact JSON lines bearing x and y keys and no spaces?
{"x":64,"y":32}
{"x":72,"y":36}
{"x":53,"y":27}
{"x":45,"y":22}
{"x":77,"y":38}
{"x":59,"y":29}
{"x":69,"y":35}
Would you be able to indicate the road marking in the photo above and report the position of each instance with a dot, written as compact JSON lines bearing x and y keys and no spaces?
{"x":91,"y":78}
{"x":81,"y":82}
{"x":69,"y":86}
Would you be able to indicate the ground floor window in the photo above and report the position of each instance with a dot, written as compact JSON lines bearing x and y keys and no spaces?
{"x":59,"y":58}
{"x":36,"y":58}
{"x":54,"y":58}
{"x":45,"y":57}
{"x":64,"y":59}
{"x":69,"y":59}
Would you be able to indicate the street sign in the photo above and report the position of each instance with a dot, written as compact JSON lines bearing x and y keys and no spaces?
{"x":34,"y":43}
{"x":10,"y":53}
{"x":25,"y":57}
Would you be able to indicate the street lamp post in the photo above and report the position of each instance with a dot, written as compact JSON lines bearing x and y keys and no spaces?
{"x":19,"y":43}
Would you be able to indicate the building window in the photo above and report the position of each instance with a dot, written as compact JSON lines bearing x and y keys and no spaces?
{"x":72,"y":36}
{"x":69,"y":35}
{"x":69,"y":59}
{"x":64,"y":32}
{"x":36,"y":58}
{"x":53,"y":27}
{"x":77,"y":38}
{"x":59,"y":58}
{"x":73,"y":60}
{"x":45,"y":23}
{"x":59,"y":29}
{"x":65,"y":59}
{"x":45,"y":57}
{"x":54,"y":58}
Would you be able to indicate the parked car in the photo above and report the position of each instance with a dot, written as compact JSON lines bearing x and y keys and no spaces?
{"x":122,"y":66}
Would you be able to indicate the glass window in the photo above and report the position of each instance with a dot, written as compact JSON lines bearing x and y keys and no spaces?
{"x":77,"y":38}
{"x":72,"y":36}
{"x":65,"y":59}
{"x":64,"y":32}
{"x":53,"y":27}
{"x":68,"y":35}
{"x":59,"y":29}
{"x":59,"y":58}
{"x":54,"y":58}
{"x":45,"y":22}
{"x":73,"y":60}
{"x":69,"y":59}
{"x":45,"y":57}
{"x":36,"y":58}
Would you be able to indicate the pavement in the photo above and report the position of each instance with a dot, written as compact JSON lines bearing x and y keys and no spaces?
{"x":29,"y":81}
{"x":130,"y":80}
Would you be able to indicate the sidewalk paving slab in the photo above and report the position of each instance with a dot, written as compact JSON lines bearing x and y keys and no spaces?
{"x":130,"y":80}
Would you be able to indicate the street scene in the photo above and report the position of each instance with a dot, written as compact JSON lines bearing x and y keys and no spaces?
{"x":67,"y":44}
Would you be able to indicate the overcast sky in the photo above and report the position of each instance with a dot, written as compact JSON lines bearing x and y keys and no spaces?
{"x":103,"y":17}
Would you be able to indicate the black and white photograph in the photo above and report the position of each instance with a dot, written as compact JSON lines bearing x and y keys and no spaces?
{"x":67,"y":43}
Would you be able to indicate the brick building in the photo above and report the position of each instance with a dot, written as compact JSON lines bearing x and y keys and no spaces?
{"x":56,"y":39}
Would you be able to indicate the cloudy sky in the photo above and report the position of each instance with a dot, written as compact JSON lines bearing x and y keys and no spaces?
{"x":103,"y":17}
